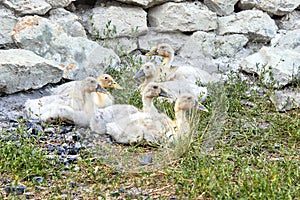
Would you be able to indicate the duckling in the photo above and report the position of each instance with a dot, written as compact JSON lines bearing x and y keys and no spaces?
{"x":168,"y":72}
{"x":184,"y":103}
{"x":77,"y":105}
{"x":113,"y":119}
{"x":101,"y":99}
{"x":175,"y":87}
{"x":155,"y":127}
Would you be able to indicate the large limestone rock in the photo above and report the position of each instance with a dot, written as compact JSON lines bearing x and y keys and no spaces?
{"x":287,"y":99}
{"x":290,"y":21}
{"x":79,"y":56}
{"x":115,"y":21}
{"x":288,"y":40}
{"x":282,"y":63}
{"x":147,"y":3}
{"x":22,"y":70}
{"x":39,"y":7}
{"x":211,"y":45}
{"x":68,"y":21}
{"x":152,"y":38}
{"x":184,"y":17}
{"x":276,"y":7}
{"x":221,"y":7}
{"x":121,"y":45}
{"x":59,"y":3}
{"x":254,"y":23}
{"x":7,"y":23}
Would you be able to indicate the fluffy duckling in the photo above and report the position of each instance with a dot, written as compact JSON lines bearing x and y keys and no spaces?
{"x":155,"y":127}
{"x":168,"y":72}
{"x":101,"y":99}
{"x":175,"y":87}
{"x":184,"y":103}
{"x":114,"y":119}
{"x":77,"y":105}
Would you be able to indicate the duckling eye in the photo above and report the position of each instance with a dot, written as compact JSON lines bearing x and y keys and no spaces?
{"x":189,"y":98}
{"x":155,"y":87}
{"x":147,"y":67}
{"x":105,"y":77}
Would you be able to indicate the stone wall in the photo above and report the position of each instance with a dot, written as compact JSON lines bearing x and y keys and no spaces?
{"x":213,"y":35}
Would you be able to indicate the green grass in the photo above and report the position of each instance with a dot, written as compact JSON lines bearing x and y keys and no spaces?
{"x":242,"y":149}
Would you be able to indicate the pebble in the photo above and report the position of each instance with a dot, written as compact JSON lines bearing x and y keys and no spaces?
{"x":18,"y":190}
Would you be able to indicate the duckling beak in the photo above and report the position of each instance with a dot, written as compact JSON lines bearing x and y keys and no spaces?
{"x":200,"y":106}
{"x":152,"y":52}
{"x":163,"y":93}
{"x":117,"y":86}
{"x":139,"y":74}
{"x":101,"y":89}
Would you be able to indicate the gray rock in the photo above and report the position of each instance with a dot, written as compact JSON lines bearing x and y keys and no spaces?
{"x":211,"y":45}
{"x":152,"y":38}
{"x":22,"y":70}
{"x":254,"y":23}
{"x":121,"y":45}
{"x":78,"y":56}
{"x":276,"y":7}
{"x":7,"y":23}
{"x":39,"y":7}
{"x":185,"y":17}
{"x":147,"y":3}
{"x":288,"y":40}
{"x":285,"y":100}
{"x":284,"y":64}
{"x":290,"y":21}
{"x":221,"y":7}
{"x":59,"y":3}
{"x":68,"y":21}
{"x":115,"y":21}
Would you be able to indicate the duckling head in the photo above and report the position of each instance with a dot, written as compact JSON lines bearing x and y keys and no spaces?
{"x":90,"y":85}
{"x":148,"y":70}
{"x":187,"y":102}
{"x":164,"y":50}
{"x":106,"y":81}
{"x":155,"y":90}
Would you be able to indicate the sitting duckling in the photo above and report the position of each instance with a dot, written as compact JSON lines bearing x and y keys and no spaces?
{"x":77,"y":105}
{"x":168,"y":72}
{"x":155,"y":127}
{"x":102,"y":99}
{"x":113,"y":120}
{"x":175,"y":87}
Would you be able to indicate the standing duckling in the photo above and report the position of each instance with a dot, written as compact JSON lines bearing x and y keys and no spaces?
{"x":168,"y":72}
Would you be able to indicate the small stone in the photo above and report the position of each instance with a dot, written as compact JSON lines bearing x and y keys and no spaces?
{"x":18,"y":190}
{"x":38,"y":179}
{"x":146,"y":159}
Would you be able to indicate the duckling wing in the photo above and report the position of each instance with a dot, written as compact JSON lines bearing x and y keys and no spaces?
{"x":153,"y":128}
{"x":110,"y":114}
{"x":192,"y":74}
{"x":178,"y":87}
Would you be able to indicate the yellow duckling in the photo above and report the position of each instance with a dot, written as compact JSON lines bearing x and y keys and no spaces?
{"x":114,"y":119}
{"x":175,"y":87}
{"x":77,"y":105}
